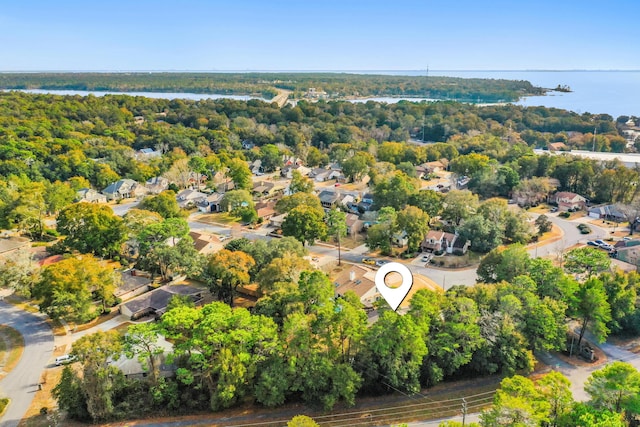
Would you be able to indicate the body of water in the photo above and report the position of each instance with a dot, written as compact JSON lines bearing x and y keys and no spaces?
{"x":612,"y":92}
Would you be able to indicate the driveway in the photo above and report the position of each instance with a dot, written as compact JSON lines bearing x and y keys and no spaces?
{"x":22,"y":382}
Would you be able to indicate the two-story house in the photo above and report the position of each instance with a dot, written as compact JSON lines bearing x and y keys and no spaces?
{"x":568,"y":201}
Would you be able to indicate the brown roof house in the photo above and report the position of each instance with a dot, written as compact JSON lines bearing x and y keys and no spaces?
{"x":89,"y":195}
{"x":436,"y":240}
{"x":360,"y":280}
{"x":205,"y":243}
{"x":569,"y":201}
{"x":155,"y":303}
{"x":354,"y":224}
{"x":557,"y":146}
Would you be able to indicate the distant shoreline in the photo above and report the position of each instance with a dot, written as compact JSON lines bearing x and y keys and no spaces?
{"x":321,"y":71}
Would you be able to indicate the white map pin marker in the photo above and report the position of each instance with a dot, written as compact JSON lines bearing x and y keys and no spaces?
{"x":394,"y":296}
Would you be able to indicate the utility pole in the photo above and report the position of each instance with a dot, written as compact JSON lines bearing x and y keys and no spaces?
{"x":595,"y":131}
{"x":464,"y":411}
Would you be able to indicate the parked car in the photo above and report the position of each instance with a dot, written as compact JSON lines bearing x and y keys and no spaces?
{"x":65,"y":360}
{"x":369,"y":261}
{"x":554,"y":209}
{"x":381,"y":262}
{"x":607,"y":247}
{"x":592,"y":243}
{"x":584,"y":229}
{"x":427,"y":258}
{"x":600,"y":242}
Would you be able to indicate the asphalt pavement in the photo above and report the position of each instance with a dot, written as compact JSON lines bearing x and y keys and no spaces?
{"x":21,"y":383}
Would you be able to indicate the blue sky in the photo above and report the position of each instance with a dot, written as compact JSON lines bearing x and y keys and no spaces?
{"x":318,"y":35}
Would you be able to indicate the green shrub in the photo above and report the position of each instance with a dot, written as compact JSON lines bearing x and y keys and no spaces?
{"x":564,"y":214}
{"x":3,"y":404}
{"x":52,"y":232}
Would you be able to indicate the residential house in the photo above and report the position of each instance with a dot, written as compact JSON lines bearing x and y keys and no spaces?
{"x":287,"y":171}
{"x":328,"y":199}
{"x":157,"y":184}
{"x":400,"y":239}
{"x":346,"y":199}
{"x":366,"y":203}
{"x":225,"y":186}
{"x":557,"y":146}
{"x":205,"y":243}
{"x":629,"y":251}
{"x":155,"y":303}
{"x":124,"y":189}
{"x":276,"y":221}
{"x":461,"y":246}
{"x":189,"y":198}
{"x":312,"y":92}
{"x":212,"y":203}
{"x":146,"y":154}
{"x":424,"y":170}
{"x":267,"y":189}
{"x":360,"y":280}
{"x":352,"y":208}
{"x":354,"y":224}
{"x":89,"y":195}
{"x":568,"y":201}
{"x":291,"y":160}
{"x":197,"y":180}
{"x":265,"y":210}
{"x":436,"y":240}
{"x":256,"y":167}
{"x":462,"y":182}
{"x":247,"y":145}
{"x":133,"y":283}
{"x":607,"y":212}
{"x":320,"y":174}
{"x":133,"y":368}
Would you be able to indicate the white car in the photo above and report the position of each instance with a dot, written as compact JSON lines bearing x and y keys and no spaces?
{"x":64,"y":360}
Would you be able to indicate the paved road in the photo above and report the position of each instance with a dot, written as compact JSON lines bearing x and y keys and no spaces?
{"x":22,"y":382}
{"x":122,"y":208}
{"x":570,"y":238}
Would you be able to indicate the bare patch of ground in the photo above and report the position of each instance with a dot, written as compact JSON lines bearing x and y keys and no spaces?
{"x":11,"y":348}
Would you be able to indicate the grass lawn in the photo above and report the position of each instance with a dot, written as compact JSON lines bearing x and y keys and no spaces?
{"x":549,"y":237}
{"x":223,"y":218}
{"x":98,"y":320}
{"x":454,"y":261}
{"x":21,"y":303}
{"x":3,"y":405}
{"x":11,"y":347}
